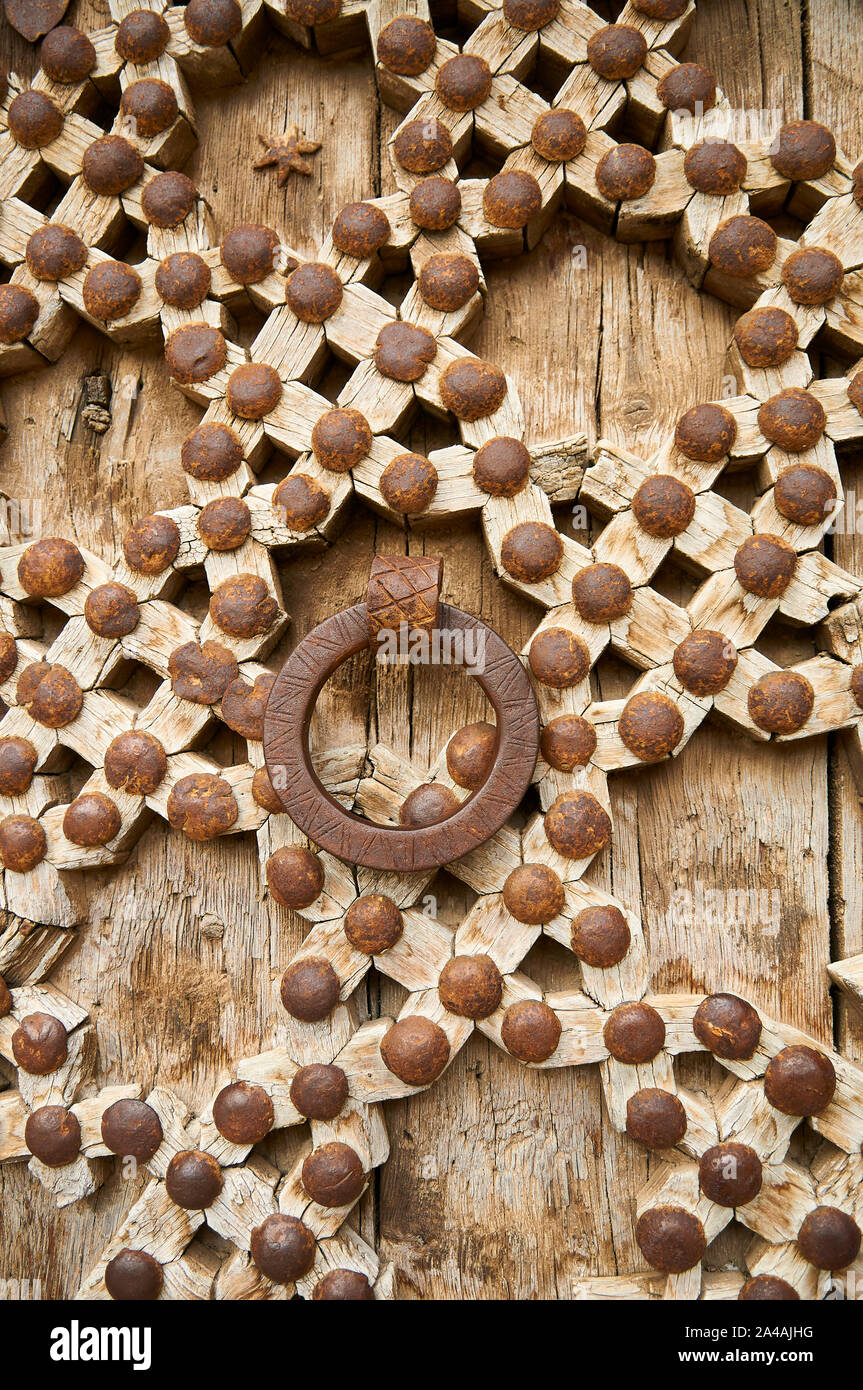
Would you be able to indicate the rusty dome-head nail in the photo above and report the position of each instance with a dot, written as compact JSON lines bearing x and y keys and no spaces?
{"x":650,"y":725}
{"x":53,"y":1135}
{"x":625,"y":172}
{"x":765,"y":337}
{"x":511,"y":198}
{"x":152,"y":544}
{"x":568,"y":742}
{"x":530,"y":1030}
{"x":663,"y":506}
{"x":742,"y":246}
{"x":781,"y":702}
{"x":343,"y":1286}
{"x":111,"y":290}
{"x":470,"y":754}
{"x":403,"y":351}
{"x":600,"y":936}
{"x":704,"y":662}
{"x":360,"y":230}
{"x":577,"y":825}
{"x":168,"y":198}
{"x":50,"y":568}
{"x":415,"y":1049}
{"x":829,"y":1238}
{"x":254,"y":389}
{"x":558,"y":658}
{"x":472,"y":388}
{"x":408,"y":484}
{"x":423,"y":146}
{"x":212,"y":23}
{"x":194,"y":352}
{"x":687,"y":87}
{"x":534,"y":894}
{"x":319,"y":1090}
{"x":406,"y":45}
{"x":310,"y":989}
{"x":531,"y":551}
{"x":558,"y":135}
{"x":34,"y":120}
{"x":655,"y":1118}
{"x":428,"y":804}
{"x":183,"y":280}
{"x":111,"y":164}
{"x":150,"y":105}
{"x":714,"y":166}
{"x":341,"y":438}
{"x":670,"y":1238}
{"x":295,"y":876}
{"x":302,"y":502}
{"x":92,"y":819}
{"x":133,"y":1276}
{"x":448,"y":280}
{"x":193,"y":1179}
{"x":616,"y":51}
{"x":18,"y":759}
{"x":470,"y":986}
{"x":243,"y":1113}
{"x":727,"y":1026}
{"x":332,"y":1174}
{"x":730,"y":1173}
{"x":201,"y":672}
{"x":705,"y":433}
{"x":55,"y":251}
{"x":242,"y":606}
{"x":283,"y":1248}
{"x":248,"y":252}
{"x":799,"y":1080}
{"x":501,"y":466}
{"x":765,"y":565}
{"x":19,"y":310}
{"x":805,"y":494}
{"x":135,"y":762}
{"x":803,"y":150}
{"x":314,"y":292}
{"x":793,"y":418}
{"x":765,"y":1288}
{"x":67,"y":55}
{"x":812,"y":275}
{"x":132,"y":1129}
{"x":530,"y":15}
{"x":373,"y":923}
{"x":202,"y":805}
{"x":142,"y":36}
{"x":39,"y":1044}
{"x":463,"y":82}
{"x":634,"y":1033}
{"x":602,"y":593}
{"x":435,"y":203}
{"x":23,"y":843}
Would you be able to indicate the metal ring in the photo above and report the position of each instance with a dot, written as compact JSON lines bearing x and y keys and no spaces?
{"x":349,"y":836}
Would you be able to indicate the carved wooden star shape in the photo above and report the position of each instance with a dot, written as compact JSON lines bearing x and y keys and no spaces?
{"x":285,"y":152}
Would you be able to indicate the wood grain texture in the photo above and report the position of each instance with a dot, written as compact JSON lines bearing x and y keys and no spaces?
{"x":834,"y":34}
{"x":504,"y":1182}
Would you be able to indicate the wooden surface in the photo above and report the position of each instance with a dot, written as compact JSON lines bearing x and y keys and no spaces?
{"x":502,"y":1182}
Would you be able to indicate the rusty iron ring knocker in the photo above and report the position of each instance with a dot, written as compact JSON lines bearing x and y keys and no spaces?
{"x":402,"y":590}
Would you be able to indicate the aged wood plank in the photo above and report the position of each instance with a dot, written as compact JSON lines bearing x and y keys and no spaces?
{"x":180,"y":954}
{"x":835,"y":33}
